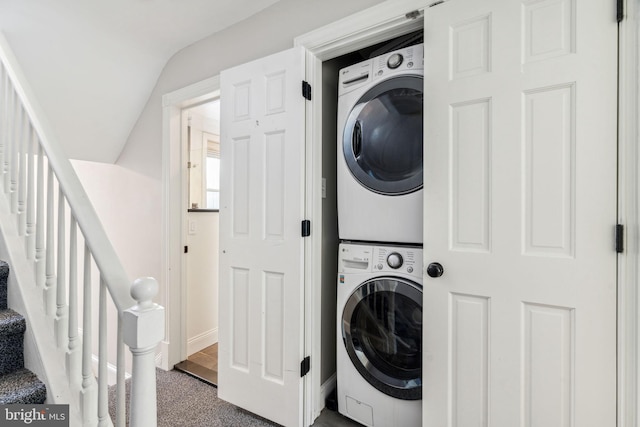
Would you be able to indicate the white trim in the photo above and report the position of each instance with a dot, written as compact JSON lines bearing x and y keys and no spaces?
{"x":375,"y":24}
{"x":203,"y":340}
{"x":174,"y":198}
{"x":328,"y":386}
{"x":629,"y":215}
{"x":194,"y":94}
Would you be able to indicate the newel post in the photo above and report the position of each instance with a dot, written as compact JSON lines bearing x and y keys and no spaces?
{"x":143,"y":329}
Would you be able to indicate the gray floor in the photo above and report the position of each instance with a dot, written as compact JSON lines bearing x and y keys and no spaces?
{"x":329,"y":418}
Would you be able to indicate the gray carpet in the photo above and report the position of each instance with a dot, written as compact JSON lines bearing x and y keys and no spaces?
{"x":184,"y":401}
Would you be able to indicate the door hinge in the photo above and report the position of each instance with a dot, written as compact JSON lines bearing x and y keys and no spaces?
{"x":186,"y":249}
{"x":306,"y":228}
{"x":306,"y":90}
{"x":620,"y":10}
{"x":619,"y":238}
{"x":305,"y":366}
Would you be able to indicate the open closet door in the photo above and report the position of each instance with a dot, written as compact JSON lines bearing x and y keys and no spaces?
{"x":520,"y":202}
{"x":261,"y":249}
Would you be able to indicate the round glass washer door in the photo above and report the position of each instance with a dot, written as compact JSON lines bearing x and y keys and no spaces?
{"x":382,"y":333}
{"x":383,"y":137}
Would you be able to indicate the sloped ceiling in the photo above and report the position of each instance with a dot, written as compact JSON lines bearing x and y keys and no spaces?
{"x":93,"y":64}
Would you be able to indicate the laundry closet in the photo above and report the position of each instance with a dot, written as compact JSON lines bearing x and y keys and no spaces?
{"x":372,"y":162}
{"x":519,"y":206}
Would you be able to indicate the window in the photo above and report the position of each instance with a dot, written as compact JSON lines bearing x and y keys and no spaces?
{"x":213,"y":175}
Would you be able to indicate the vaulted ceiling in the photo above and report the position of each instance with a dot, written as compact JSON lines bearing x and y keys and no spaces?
{"x":93,"y":64}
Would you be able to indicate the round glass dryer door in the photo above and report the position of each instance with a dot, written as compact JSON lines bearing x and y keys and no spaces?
{"x":382,"y":141}
{"x":382,"y":333}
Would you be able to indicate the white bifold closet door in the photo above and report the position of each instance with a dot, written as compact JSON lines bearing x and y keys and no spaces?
{"x":520,"y":210}
{"x":261,"y":248}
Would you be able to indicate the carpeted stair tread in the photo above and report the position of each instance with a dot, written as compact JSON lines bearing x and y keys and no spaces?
{"x":23,"y":387}
{"x":11,"y":322}
{"x":12,"y":327}
{"x":4,"y":274}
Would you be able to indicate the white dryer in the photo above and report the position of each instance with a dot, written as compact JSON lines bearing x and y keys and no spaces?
{"x":379,"y":335}
{"x":380,"y":144}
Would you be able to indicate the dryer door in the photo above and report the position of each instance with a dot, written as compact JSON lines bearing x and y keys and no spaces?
{"x":382,"y":333}
{"x":382,"y":139}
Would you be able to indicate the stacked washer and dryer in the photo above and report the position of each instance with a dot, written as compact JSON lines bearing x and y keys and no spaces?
{"x":379,"y":295}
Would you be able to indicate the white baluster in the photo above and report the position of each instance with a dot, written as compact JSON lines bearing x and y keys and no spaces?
{"x":15,"y":149}
{"x":50,"y":279}
{"x":11,"y":117}
{"x":40,"y":207}
{"x":61,"y":297}
{"x":4,"y":120}
{"x":73,"y":367}
{"x":21,"y":165}
{"x":30,"y":199}
{"x":88,"y":395}
{"x":103,"y":402}
{"x":121,"y":413}
{"x":143,"y":330}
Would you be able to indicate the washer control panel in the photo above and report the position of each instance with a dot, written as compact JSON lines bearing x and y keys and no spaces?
{"x":355,"y":258}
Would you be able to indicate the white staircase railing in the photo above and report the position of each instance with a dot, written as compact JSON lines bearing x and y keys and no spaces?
{"x":54,"y":217}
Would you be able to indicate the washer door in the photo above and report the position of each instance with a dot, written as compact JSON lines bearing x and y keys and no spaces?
{"x":382,"y":139}
{"x":382,"y":333}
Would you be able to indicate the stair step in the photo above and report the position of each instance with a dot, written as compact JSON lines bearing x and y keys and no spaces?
{"x":21,"y":387}
{"x":4,"y":274}
{"x":12,"y":327}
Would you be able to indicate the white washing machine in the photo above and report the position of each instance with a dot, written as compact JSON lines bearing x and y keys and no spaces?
{"x":379,"y":344}
{"x":380,"y":144}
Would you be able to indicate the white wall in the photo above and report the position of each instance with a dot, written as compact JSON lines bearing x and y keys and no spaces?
{"x":129,"y":207}
{"x":267,"y":32}
{"x":202,"y":280}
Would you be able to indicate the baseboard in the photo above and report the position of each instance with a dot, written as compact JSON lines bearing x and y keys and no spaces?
{"x":112,"y":371}
{"x":326,"y":388}
{"x":203,"y":340}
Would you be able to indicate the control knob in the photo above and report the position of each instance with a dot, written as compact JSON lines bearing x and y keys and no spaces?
{"x":395,"y":260}
{"x":394,"y":61}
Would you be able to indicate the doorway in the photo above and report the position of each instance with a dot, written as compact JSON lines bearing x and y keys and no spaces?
{"x":201,"y":145}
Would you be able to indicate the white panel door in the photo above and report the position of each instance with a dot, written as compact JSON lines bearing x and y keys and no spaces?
{"x":261,"y":248}
{"x":520,"y":210}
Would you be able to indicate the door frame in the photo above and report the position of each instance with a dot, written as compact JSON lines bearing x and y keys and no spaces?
{"x":372,"y":25}
{"x":174,"y":214}
{"x":629,"y":216}
{"x":375,"y":24}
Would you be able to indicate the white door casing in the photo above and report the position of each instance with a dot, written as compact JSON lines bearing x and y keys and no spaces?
{"x":520,"y":209}
{"x":261,"y":248}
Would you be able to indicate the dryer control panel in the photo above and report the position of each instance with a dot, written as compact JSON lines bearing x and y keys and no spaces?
{"x":358,"y":258}
{"x":407,"y":59}
{"x":402,"y":61}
